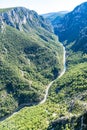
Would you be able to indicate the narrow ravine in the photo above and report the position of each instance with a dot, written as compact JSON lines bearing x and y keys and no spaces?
{"x":46,"y":91}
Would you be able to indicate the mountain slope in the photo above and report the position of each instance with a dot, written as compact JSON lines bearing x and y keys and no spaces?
{"x":29,"y":58}
{"x":72,"y":26}
{"x":71,"y":88}
{"x":53,"y":17}
{"x":23,"y":19}
{"x":66,"y":106}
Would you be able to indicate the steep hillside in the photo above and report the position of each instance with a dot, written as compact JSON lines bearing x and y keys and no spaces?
{"x":73,"y":123}
{"x":29,"y":58}
{"x":71,"y":88}
{"x":23,"y":19}
{"x":72,"y":28}
{"x":81,"y":42}
{"x":66,"y":106}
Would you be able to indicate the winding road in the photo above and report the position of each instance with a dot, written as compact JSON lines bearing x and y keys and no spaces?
{"x":46,"y":91}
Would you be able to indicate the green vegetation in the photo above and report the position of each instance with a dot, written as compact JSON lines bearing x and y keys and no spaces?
{"x":71,"y":90}
{"x":72,"y":85}
{"x":27,"y":64}
{"x":36,"y":117}
{"x":66,"y":101}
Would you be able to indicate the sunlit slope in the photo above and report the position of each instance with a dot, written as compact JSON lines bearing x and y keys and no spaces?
{"x":28,"y":62}
{"x":67,"y":100}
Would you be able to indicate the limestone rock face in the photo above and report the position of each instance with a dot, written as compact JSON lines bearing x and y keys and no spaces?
{"x":24,"y":19}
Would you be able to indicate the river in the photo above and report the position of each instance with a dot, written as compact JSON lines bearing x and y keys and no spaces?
{"x":46,"y":91}
{"x":61,"y":74}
